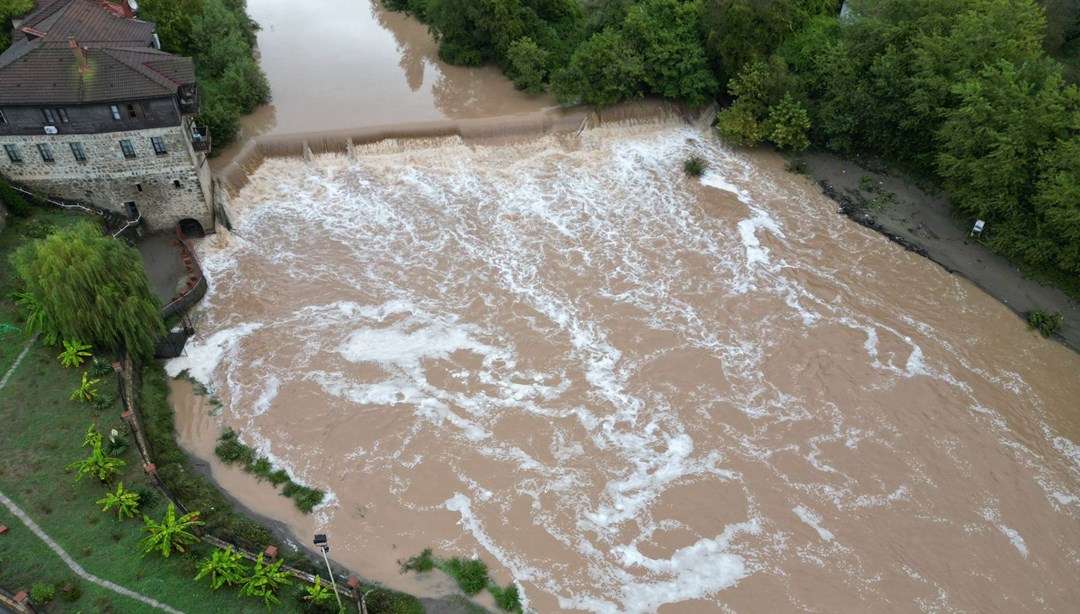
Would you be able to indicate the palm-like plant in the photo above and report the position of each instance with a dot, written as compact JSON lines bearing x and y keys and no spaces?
{"x":74,"y":354}
{"x":265,"y":581}
{"x":125,"y":502}
{"x":171,"y":533}
{"x":37,"y":321}
{"x":98,"y":464}
{"x":223,"y":567}
{"x":86,"y":391}
{"x":317,"y":592}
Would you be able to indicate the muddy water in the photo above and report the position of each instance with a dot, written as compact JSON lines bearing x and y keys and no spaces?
{"x":631,"y":392}
{"x":347,"y":63}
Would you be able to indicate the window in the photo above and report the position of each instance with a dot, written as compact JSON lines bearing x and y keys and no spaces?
{"x":175,"y":183}
{"x":159,"y":145}
{"x":115,"y":112}
{"x":138,"y":186}
{"x":46,"y":153}
{"x":13,"y":153}
{"x":49,"y":117}
{"x":3,"y":120}
{"x":131,"y":111}
{"x":129,"y":151}
{"x":62,"y":114}
{"x":77,"y":151}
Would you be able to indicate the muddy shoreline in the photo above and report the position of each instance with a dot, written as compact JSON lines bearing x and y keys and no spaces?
{"x":923,"y":223}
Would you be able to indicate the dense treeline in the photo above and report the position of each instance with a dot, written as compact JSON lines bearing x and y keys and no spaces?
{"x":220,"y":36}
{"x":967,"y":92}
{"x":9,"y":9}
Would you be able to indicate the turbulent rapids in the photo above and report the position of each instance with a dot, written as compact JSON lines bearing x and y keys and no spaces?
{"x":631,"y":391}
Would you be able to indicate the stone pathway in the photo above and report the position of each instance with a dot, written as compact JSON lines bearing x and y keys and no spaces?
{"x":33,"y":526}
{"x":25,"y":351}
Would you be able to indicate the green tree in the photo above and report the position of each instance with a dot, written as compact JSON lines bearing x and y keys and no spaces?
{"x":92,"y":288}
{"x":125,"y":502}
{"x":171,"y":533}
{"x":86,"y":390}
{"x":98,"y":464}
{"x":9,"y":9}
{"x":788,"y":125}
{"x":1057,"y":204}
{"x":74,"y":354}
{"x":666,"y":34}
{"x":223,"y":567}
{"x":265,"y":581}
{"x":528,"y":65}
{"x":604,"y":70}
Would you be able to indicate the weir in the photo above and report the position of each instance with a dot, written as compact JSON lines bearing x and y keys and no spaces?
{"x":493,"y":130}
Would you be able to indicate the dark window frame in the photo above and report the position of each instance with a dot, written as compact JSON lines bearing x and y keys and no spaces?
{"x":50,"y":118}
{"x":159,"y":145}
{"x":3,"y":120}
{"x":46,"y":153}
{"x":127,"y":148}
{"x":78,"y":152}
{"x":13,"y":153}
{"x":61,"y":112}
{"x":132,"y":112}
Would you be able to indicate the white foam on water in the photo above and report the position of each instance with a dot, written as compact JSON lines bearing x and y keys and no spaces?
{"x":448,"y":262}
{"x":1014,"y":538}
{"x":202,"y":357}
{"x":814,"y":521}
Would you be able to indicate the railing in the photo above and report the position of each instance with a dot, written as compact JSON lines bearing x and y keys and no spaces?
{"x":112,"y":218}
{"x":192,"y":295}
{"x":200,"y":139}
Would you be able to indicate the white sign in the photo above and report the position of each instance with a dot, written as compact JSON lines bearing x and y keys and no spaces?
{"x":50,"y":130}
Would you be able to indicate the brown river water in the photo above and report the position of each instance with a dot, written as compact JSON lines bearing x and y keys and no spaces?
{"x":626,"y":390}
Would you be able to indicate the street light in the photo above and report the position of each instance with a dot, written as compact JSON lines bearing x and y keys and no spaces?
{"x":320,"y":542}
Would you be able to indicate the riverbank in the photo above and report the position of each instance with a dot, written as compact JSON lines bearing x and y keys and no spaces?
{"x":923,"y":222}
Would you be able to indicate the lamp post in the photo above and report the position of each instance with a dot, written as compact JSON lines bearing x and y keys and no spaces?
{"x":320,"y":542}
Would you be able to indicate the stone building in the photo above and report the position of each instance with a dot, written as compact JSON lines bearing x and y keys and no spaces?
{"x":92,"y":111}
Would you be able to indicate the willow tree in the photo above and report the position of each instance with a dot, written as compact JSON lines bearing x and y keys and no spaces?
{"x":92,"y":288}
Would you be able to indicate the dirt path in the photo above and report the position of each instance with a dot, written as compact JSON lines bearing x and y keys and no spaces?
{"x":925,"y":222}
{"x":33,"y":526}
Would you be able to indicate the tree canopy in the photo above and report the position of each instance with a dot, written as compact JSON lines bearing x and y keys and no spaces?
{"x":92,"y":288}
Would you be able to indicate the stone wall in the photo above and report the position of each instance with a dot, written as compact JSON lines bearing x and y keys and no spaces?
{"x":164,"y":187}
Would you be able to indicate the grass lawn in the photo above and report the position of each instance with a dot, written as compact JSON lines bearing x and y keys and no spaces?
{"x":41,"y":432}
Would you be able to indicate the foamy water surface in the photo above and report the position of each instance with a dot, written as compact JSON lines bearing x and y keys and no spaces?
{"x":628,"y":391}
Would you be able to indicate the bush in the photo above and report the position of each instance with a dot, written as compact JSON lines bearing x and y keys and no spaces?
{"x":507,"y":598}
{"x":695,"y":166}
{"x":71,"y":591}
{"x":261,"y":468}
{"x":471,"y":574}
{"x":420,"y":563}
{"x":42,"y":593}
{"x":37,"y":229}
{"x":305,"y":498}
{"x":1046,"y":323}
{"x":385,"y":601}
{"x":103,"y":401}
{"x":278,"y":477}
{"x":148,"y":497}
{"x":13,"y":200}
{"x":231,"y":451}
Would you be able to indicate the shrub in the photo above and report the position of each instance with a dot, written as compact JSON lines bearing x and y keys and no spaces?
{"x":71,"y":591}
{"x":420,"y":563}
{"x":117,"y":445}
{"x":1046,"y":323}
{"x":305,"y":498}
{"x":37,"y":229}
{"x":100,"y":367}
{"x":16,"y":204}
{"x":261,"y":468}
{"x":148,"y":497}
{"x":102,"y":401}
{"x":471,"y":574}
{"x":42,"y":593}
{"x":231,"y":451}
{"x":278,"y":477}
{"x":695,"y":166}
{"x":508,"y":599}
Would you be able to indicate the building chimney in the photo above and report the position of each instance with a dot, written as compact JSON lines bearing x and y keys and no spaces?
{"x":80,"y":57}
{"x":128,"y":7}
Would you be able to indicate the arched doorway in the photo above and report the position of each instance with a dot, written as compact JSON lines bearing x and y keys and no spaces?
{"x":191,"y":228}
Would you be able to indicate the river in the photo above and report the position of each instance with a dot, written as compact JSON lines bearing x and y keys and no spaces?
{"x":624,"y":389}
